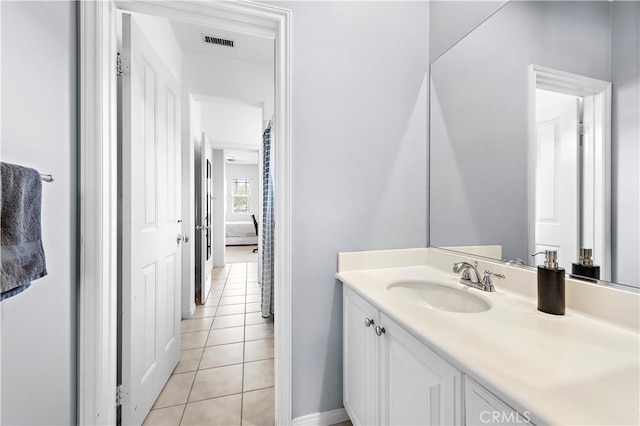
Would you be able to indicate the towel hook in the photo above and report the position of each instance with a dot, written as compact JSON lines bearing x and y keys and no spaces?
{"x":46,"y":178}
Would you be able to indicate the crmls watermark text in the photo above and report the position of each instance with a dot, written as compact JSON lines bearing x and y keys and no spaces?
{"x":500,"y":417}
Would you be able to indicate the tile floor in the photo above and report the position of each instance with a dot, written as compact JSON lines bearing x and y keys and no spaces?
{"x":225,"y":374}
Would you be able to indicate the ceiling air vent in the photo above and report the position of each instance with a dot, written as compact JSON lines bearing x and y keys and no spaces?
{"x":209,"y":39}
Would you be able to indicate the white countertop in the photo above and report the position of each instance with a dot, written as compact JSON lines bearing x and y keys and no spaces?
{"x":567,"y":370}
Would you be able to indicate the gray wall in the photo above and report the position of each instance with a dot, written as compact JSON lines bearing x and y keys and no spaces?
{"x":479,"y":116}
{"x":39,"y":131}
{"x":625,"y":146}
{"x":450,"y":21}
{"x":359,"y":164}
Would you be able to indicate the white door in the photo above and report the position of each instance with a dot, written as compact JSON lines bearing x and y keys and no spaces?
{"x":556,"y":175}
{"x":150,"y":193}
{"x":204,"y":227}
{"x":417,"y":387}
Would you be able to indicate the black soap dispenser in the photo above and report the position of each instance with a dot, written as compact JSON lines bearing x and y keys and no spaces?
{"x":550,"y":284}
{"x":585,"y":267}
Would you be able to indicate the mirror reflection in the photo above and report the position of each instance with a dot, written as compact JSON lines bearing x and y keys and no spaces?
{"x":535,"y":136}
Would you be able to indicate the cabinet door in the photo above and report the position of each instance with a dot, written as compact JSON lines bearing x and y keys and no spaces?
{"x":360,"y":359}
{"x":482,"y":408}
{"x":417,"y":386}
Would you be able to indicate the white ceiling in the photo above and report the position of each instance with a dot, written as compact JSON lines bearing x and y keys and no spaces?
{"x":241,"y":156}
{"x":247,"y":48}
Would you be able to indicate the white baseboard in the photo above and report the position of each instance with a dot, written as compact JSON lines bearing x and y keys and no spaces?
{"x":326,"y":418}
{"x":189,"y":314}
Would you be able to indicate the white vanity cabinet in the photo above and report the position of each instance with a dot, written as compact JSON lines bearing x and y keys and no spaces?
{"x":360,"y":359}
{"x":482,"y":408}
{"x":390,"y":378}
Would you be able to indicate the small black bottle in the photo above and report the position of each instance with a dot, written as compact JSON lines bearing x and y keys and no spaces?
{"x":551,"y":285}
{"x":585,"y":268}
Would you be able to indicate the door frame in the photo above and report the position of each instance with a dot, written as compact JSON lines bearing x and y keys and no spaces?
{"x":578,"y":85}
{"x":97,"y":330}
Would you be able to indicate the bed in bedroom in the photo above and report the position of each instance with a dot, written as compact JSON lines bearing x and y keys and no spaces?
{"x":241,"y":234}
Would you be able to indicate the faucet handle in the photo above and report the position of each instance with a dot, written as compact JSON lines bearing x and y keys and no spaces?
{"x":486,"y":280}
{"x":488,"y":274}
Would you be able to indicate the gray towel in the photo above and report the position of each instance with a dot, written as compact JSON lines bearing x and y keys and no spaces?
{"x":21,"y":245}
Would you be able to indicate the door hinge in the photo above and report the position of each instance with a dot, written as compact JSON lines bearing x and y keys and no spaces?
{"x":122,"y":395}
{"x":581,"y":129}
{"x":122,"y":66}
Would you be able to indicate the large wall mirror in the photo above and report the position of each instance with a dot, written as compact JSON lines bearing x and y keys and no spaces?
{"x":535,"y":135}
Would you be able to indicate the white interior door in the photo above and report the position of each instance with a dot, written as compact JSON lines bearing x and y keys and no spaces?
{"x":556,"y":175}
{"x":205,"y":220}
{"x":150,"y":193}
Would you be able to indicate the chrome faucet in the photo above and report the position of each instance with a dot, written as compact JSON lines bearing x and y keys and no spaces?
{"x":471,"y":277}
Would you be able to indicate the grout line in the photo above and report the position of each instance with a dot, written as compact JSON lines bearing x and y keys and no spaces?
{"x":225,"y":275}
{"x":201,"y":355}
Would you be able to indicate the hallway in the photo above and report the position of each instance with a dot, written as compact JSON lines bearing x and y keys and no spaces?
{"x":225,"y":374}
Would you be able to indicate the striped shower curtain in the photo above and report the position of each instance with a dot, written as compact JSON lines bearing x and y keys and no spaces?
{"x":267,"y":222}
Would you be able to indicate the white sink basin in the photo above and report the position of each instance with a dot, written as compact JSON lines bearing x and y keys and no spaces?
{"x":437,"y":296}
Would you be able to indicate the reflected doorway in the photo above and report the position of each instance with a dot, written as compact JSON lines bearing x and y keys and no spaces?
{"x":570,"y":166}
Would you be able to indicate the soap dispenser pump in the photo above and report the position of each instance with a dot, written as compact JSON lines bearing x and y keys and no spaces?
{"x":550,"y":284}
{"x":585,"y":267}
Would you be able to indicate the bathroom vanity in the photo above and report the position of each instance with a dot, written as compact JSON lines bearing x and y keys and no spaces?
{"x":422,"y":348}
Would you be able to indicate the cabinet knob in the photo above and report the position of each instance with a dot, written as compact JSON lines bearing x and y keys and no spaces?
{"x":379,"y":330}
{"x":368,"y":322}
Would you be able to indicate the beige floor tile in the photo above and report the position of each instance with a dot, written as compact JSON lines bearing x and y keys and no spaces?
{"x":212,"y":302}
{"x":197,"y":324}
{"x":223,"y":411}
{"x":194,"y":340}
{"x":231,"y":300}
{"x":237,"y":277}
{"x":218,"y":285}
{"x":176,"y":391}
{"x":204,"y":311}
{"x":189,"y":360}
{"x":230,"y":310}
{"x":222,"y":355}
{"x":253,"y":307}
{"x":257,"y":350}
{"x":227,"y":321}
{"x":258,"y":375}
{"x":253,"y":290}
{"x":258,"y":408}
{"x":256,"y":318}
{"x":223,"y":336}
{"x":234,"y":292}
{"x":232,"y":285}
{"x":215,"y":293}
{"x":215,"y":382}
{"x":258,"y":331}
{"x":253,"y":298}
{"x":169,"y":416}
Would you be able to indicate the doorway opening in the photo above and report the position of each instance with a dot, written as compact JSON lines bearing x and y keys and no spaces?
{"x":98,"y":183}
{"x":244,"y":201}
{"x":570,"y":166}
{"x":158,"y":353}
